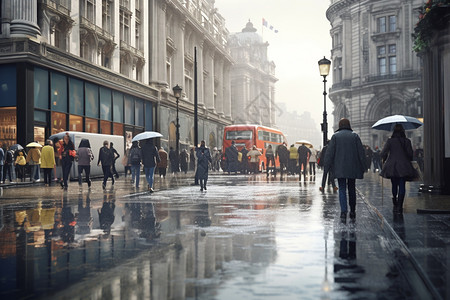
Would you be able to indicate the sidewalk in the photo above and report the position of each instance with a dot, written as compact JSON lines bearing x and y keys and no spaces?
{"x":425,"y":237}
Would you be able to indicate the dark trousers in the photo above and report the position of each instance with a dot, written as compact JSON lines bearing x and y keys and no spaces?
{"x":270,"y":160}
{"x":327,"y":171}
{"x":48,"y":175}
{"x":20,"y":170}
{"x":292,"y":165}
{"x":312,"y":168}
{"x":203,"y":182}
{"x":162,"y":171}
{"x":302,"y":164}
{"x":113,"y":170}
{"x":87,"y":172}
{"x":106,"y":174}
{"x":398,"y":186}
{"x":66,"y":166}
{"x":345,"y":183}
{"x":7,"y":171}
{"x":127,"y":170}
{"x":283,"y":165}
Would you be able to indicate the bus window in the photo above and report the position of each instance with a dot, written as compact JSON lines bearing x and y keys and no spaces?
{"x":263,"y":135}
{"x":239,"y":135}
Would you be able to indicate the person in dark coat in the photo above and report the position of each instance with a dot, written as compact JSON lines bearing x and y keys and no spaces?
{"x":283,"y":156}
{"x":173,"y":158}
{"x":231,"y":157}
{"x":150,"y":157}
{"x":303,"y":155}
{"x":327,"y":171}
{"x":116,"y":156}
{"x":162,"y":165}
{"x":106,"y":159}
{"x":376,"y":159}
{"x":345,"y":154}
{"x":192,"y":160}
{"x":397,"y":154}
{"x":184,"y":158}
{"x":244,"y":161}
{"x":203,"y":159}
{"x":135,"y":159}
{"x":66,"y":158}
{"x":106,"y":213}
{"x":369,"y":156}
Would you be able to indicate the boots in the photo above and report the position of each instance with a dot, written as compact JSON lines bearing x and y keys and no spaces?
{"x":401,"y":199}
{"x":394,"y":204}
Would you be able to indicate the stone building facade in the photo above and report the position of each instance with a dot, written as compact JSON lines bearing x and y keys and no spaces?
{"x":108,"y":66}
{"x":252,"y":79}
{"x":375,"y":72}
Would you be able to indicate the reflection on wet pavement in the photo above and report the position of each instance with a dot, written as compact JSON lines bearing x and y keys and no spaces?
{"x":246,"y":237}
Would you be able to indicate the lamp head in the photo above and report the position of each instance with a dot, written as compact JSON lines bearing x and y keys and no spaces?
{"x":177,"y":91}
{"x":324,"y":66}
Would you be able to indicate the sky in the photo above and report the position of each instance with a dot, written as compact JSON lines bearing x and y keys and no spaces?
{"x":303,"y":38}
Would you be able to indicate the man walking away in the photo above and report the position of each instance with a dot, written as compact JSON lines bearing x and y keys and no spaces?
{"x":203,"y":160}
{"x":150,"y":157}
{"x":106,"y":158}
{"x":283,"y":156}
{"x":134,"y":159}
{"x":270,"y":160}
{"x":162,"y":165}
{"x":303,"y":155}
{"x":293,"y":158}
{"x":231,"y":158}
{"x":345,"y":154}
{"x":116,"y":156}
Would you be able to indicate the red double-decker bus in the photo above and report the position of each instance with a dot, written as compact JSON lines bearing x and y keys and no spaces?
{"x":249,"y":135}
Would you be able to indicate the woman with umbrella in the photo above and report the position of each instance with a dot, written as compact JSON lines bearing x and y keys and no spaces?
{"x":397,"y":154}
{"x":34,"y":159}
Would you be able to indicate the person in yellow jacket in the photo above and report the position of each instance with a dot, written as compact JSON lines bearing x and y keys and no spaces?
{"x":293,"y":158}
{"x":21,"y":161}
{"x":48,"y":161}
{"x":34,"y":159}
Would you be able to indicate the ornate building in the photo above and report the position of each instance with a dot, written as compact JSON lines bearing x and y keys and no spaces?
{"x":252,"y":79}
{"x":375,"y":72}
{"x":108,"y":66}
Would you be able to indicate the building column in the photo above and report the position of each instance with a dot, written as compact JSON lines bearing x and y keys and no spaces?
{"x":218,"y":73}
{"x":200,"y":74}
{"x":226,"y":90}
{"x":209,"y":80}
{"x":178,"y":58}
{"x":24,"y":18}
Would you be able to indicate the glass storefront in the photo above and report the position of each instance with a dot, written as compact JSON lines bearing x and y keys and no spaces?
{"x":8,"y":127}
{"x":59,"y":121}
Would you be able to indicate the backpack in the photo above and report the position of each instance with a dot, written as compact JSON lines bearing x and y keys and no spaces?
{"x":108,"y":156}
{"x":135,"y":156}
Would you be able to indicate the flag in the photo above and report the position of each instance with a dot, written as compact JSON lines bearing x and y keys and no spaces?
{"x":271,"y":27}
{"x":264,"y":22}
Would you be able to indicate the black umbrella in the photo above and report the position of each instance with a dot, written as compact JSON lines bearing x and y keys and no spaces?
{"x":16,"y":147}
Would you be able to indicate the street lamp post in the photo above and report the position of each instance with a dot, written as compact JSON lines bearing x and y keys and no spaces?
{"x":324,"y":68}
{"x":177,"y":93}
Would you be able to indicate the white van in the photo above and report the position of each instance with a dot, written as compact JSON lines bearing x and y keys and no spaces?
{"x":96,"y":141}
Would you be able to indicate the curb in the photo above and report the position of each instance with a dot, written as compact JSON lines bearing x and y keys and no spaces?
{"x":433,"y":211}
{"x":426,"y":280}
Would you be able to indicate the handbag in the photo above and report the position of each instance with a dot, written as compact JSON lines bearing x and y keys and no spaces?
{"x":415,"y":169}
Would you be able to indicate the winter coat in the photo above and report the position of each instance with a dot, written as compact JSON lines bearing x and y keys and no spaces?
{"x":231,"y":155}
{"x":270,"y":153}
{"x":34,"y":156}
{"x":105,"y":156}
{"x":85,"y":156}
{"x":283,"y":153}
{"x":203,"y":158}
{"x":254,"y":155}
{"x":65,"y":152}
{"x":345,"y":155}
{"x":150,"y":155}
{"x":313,"y":156}
{"x":397,"y":153}
{"x":21,"y":160}
{"x":303,"y":153}
{"x":293,"y":153}
{"x":48,"y":157}
{"x":163,"y":158}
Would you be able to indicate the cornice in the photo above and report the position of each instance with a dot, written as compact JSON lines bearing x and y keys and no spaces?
{"x":337,"y":7}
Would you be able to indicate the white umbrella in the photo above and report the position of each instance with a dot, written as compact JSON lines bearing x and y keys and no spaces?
{"x":388,"y":123}
{"x":305,"y":142}
{"x":146,"y":135}
{"x":34,"y":144}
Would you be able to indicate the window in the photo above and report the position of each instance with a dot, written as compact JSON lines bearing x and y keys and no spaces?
{"x":105,"y":127}
{"x":91,"y":125}
{"x":239,"y":135}
{"x":106,"y":16}
{"x":40,"y":88}
{"x":392,"y":23}
{"x":138,"y":35}
{"x":75,"y":123}
{"x":124,"y":18}
{"x":148,"y":116}
{"x":392,"y":64}
{"x":58,"y":122}
{"x":76,"y":99}
{"x":59,"y":92}
{"x":381,"y":24}
{"x":139,"y":113}
{"x":382,"y":66}
{"x":118,"y":107}
{"x":392,"y":49}
{"x":129,"y":110}
{"x":88,"y":10}
{"x":381,"y":50}
{"x":169,"y":71}
{"x":105,"y":104}
{"x":92,"y":107}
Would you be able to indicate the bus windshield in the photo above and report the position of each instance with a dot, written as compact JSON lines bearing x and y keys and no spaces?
{"x":239,"y":135}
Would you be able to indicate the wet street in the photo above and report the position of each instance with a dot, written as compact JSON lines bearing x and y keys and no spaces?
{"x":246,"y":237}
